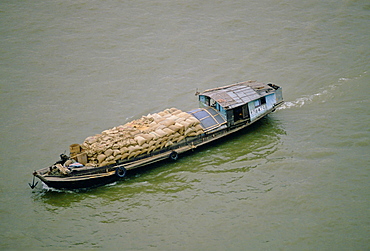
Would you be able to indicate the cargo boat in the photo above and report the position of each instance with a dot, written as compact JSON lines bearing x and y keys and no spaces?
{"x":222,"y":111}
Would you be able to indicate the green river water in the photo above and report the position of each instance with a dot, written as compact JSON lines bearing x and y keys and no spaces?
{"x":296,"y":180}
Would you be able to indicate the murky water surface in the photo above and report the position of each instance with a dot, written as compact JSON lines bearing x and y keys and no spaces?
{"x":296,"y":180}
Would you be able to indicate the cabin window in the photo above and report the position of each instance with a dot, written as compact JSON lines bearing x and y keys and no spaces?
{"x":204,"y":100}
{"x":245,"y":111}
{"x":212,"y":103}
{"x":218,"y":107}
{"x":263,"y":100}
{"x":238,"y":113}
{"x":260,"y":102}
{"x":257,"y":103}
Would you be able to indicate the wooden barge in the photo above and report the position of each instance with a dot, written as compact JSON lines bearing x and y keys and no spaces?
{"x":222,"y":111}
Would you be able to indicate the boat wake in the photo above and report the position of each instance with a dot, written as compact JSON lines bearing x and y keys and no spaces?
{"x":307,"y":99}
{"x":46,"y":188}
{"x":321,"y":96}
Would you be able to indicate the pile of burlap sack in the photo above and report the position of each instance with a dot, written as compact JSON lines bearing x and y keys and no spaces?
{"x":141,"y":136}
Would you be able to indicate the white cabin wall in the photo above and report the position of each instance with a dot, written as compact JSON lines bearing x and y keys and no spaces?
{"x":270,"y":101}
{"x":256,"y":111}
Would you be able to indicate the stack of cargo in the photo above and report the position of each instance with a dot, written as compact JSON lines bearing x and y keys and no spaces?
{"x":141,"y":136}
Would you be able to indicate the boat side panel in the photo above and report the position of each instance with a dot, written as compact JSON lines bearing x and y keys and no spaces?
{"x":279,"y":95}
{"x":256,"y":110}
{"x":79,"y":181}
{"x":270,"y":101}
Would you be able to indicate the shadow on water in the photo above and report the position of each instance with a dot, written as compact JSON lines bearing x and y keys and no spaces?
{"x":234,"y":153}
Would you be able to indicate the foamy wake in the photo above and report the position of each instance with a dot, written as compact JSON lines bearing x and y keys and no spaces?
{"x":299,"y":102}
{"x":307,"y":99}
{"x":325,"y":93}
{"x":51,"y":189}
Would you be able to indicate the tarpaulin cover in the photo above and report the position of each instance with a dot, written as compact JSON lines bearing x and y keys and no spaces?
{"x":209,"y":118}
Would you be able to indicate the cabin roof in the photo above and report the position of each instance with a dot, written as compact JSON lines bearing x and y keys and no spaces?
{"x":235,"y":95}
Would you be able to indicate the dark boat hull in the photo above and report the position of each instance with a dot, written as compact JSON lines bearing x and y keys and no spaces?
{"x":75,"y":182}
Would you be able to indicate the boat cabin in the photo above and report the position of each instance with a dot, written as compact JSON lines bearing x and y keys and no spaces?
{"x":238,"y":103}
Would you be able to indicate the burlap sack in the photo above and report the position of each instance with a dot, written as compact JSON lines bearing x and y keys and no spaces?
{"x":141,"y":136}
{"x":108,"y":152}
{"x":176,"y":127}
{"x":134,"y":148}
{"x":167,"y":122}
{"x":101,"y":158}
{"x":110,"y":158}
{"x":118,"y":157}
{"x":185,"y":124}
{"x":160,"y":133}
{"x":168,"y":131}
{"x":140,"y":140}
{"x":179,"y":139}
